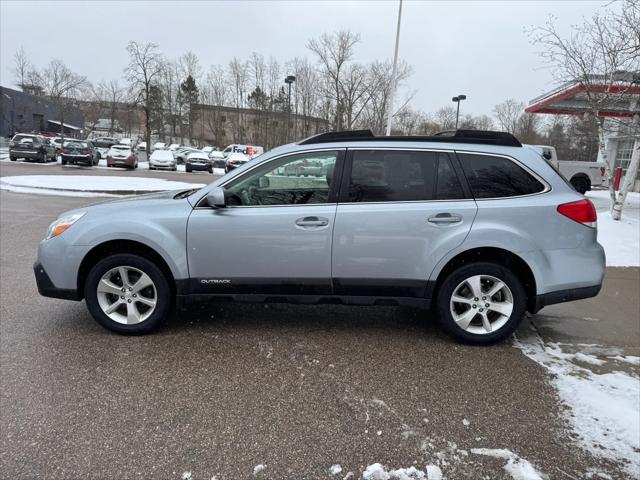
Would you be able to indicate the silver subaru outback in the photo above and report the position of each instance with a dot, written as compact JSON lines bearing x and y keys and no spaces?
{"x":471,"y":224}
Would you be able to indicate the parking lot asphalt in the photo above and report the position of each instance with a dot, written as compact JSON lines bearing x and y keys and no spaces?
{"x":225,"y":388}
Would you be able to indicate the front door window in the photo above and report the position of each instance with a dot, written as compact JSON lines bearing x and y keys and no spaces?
{"x":292,"y":180}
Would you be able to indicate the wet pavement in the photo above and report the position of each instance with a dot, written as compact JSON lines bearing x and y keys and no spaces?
{"x":222,"y":389}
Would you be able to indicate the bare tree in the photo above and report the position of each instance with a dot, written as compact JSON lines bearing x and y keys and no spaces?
{"x":190,"y":66}
{"x":333,"y":52}
{"x":379,"y":83}
{"x":445,"y":117}
{"x":594,"y":55}
{"x":62,"y":86}
{"x":215,"y":93}
{"x":238,"y":78}
{"x":22,"y":68}
{"x":508,"y":114}
{"x":142,"y":73}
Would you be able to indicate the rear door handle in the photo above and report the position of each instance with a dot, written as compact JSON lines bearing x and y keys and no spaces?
{"x":312,"y":222}
{"x":445,"y":218}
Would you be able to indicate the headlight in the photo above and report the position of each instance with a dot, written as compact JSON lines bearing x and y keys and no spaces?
{"x":60,"y":225}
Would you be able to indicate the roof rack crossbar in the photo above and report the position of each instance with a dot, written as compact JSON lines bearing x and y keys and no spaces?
{"x":485,"y":137}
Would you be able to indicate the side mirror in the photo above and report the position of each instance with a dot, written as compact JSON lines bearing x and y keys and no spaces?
{"x":216,"y":198}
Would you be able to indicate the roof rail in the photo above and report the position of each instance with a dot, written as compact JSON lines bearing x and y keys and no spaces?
{"x":485,"y":137}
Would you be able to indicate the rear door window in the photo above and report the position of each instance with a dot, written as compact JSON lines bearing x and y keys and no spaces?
{"x":402,"y":176}
{"x":497,"y":177}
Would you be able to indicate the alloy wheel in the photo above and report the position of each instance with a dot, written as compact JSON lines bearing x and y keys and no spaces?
{"x":481,"y":304}
{"x":127,"y":295}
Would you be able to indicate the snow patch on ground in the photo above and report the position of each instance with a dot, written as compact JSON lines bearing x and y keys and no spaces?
{"x":258,"y":468}
{"x":377,"y":471}
{"x":517,"y":467}
{"x":335,"y":469}
{"x":603,"y":407}
{"x":58,"y":193}
{"x":631,"y":359}
{"x":620,"y":239}
{"x":86,"y":183}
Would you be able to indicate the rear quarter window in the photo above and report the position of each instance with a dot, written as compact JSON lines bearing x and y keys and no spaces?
{"x":497,"y":177}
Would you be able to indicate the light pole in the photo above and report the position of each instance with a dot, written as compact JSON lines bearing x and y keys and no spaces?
{"x":394,"y":72}
{"x":458,"y":99}
{"x":289,"y":80}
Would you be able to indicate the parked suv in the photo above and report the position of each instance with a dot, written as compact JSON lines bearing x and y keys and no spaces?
{"x":31,"y":147}
{"x":76,"y":152}
{"x":474,"y":226}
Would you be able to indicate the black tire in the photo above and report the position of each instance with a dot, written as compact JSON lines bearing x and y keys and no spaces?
{"x":163,"y":294}
{"x":43,"y":157}
{"x":210,"y":170}
{"x":580,"y":184}
{"x":64,"y":162}
{"x":187,"y":169}
{"x":13,"y":159}
{"x":452,"y":281}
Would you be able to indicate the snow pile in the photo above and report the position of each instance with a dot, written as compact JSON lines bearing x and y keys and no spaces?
{"x":517,"y":467}
{"x":604,"y":407}
{"x":620,"y":239}
{"x":335,"y":469}
{"x":376,"y":471}
{"x":92,"y":184}
{"x":258,"y":468}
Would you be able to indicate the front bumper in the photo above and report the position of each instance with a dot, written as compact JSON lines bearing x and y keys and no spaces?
{"x":46,"y":288}
{"x":163,"y":166}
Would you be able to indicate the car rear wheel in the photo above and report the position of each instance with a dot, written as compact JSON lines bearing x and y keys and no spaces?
{"x":43,"y":157}
{"x":128,"y":294}
{"x":481,"y":303}
{"x":13,"y":159}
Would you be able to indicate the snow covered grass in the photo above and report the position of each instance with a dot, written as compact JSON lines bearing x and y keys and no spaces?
{"x":84,"y":184}
{"x":517,"y":467}
{"x":620,"y":239}
{"x":604,"y":409}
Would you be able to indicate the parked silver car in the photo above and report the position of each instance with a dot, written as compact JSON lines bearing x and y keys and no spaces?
{"x":473,"y":225}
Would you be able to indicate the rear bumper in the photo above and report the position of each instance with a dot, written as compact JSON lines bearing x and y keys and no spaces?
{"x":24,"y":153}
{"x":120,"y":163}
{"x":199,"y":166}
{"x":77,"y":159}
{"x":561,"y":296}
{"x":46,"y":288}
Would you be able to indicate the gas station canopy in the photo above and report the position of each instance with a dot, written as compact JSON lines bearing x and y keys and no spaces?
{"x":619,"y":99}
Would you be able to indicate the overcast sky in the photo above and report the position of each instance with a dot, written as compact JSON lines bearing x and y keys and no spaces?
{"x":475,"y":48}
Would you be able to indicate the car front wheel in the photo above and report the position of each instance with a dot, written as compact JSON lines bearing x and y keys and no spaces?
{"x":128,"y":294}
{"x":481,"y":303}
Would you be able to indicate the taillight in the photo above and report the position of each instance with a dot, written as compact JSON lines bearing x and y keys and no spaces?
{"x":86,"y":151}
{"x":602,"y":170}
{"x":581,"y":211}
{"x":130,"y":157}
{"x":64,"y":150}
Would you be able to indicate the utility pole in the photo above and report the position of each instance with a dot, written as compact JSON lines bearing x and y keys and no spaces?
{"x":394,"y":72}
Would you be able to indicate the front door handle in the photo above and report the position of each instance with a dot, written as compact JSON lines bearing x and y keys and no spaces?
{"x":445,"y":218}
{"x":312,"y":222}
